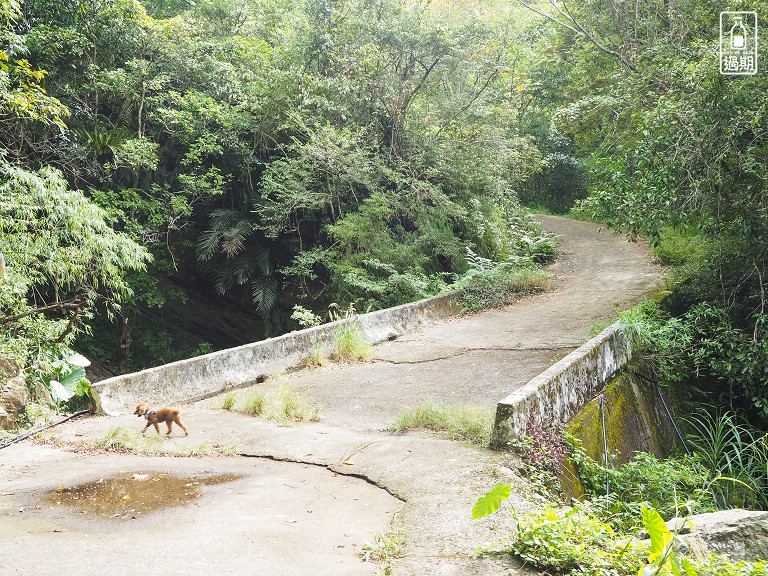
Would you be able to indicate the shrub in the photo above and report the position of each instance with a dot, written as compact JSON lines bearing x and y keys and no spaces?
{"x":572,"y":540}
{"x":665,"y":485}
{"x":491,"y":285}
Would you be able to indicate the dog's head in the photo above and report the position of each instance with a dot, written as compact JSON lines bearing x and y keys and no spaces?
{"x":141,"y":409}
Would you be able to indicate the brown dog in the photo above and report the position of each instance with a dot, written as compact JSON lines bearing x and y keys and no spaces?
{"x":159,"y":415}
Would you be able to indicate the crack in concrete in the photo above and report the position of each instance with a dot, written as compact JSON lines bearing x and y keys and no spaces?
{"x":331,"y":468}
{"x":464,"y":351}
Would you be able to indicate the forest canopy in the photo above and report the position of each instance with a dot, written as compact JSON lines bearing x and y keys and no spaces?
{"x":252,"y":156}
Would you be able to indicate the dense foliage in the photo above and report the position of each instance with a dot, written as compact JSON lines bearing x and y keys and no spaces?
{"x":270,"y":153}
{"x":601,"y":535}
{"x":676,"y":153}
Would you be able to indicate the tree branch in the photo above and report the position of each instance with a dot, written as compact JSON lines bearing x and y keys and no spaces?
{"x":71,"y":305}
{"x":576,"y":27}
{"x":70,"y":326}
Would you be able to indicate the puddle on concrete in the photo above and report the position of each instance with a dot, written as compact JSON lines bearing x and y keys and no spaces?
{"x":132,"y":495}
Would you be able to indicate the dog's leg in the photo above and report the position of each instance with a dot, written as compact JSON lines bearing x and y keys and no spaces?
{"x":145,"y":427}
{"x":170,"y":425}
{"x":179,"y":422}
{"x":157,"y":428}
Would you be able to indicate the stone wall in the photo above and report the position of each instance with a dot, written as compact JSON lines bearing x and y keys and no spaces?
{"x":204,"y":376}
{"x":564,"y":389}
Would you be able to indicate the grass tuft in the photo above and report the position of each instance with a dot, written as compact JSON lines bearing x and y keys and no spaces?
{"x":118,"y":439}
{"x":386,"y":547}
{"x":276,"y":404}
{"x":318,"y":358}
{"x":229,"y":401}
{"x":466,"y":423}
{"x":350,"y":343}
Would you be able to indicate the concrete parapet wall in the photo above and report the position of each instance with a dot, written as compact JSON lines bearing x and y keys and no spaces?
{"x":207,"y":375}
{"x":566,"y":387}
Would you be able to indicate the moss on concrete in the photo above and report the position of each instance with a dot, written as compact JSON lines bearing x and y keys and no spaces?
{"x":634,"y":420}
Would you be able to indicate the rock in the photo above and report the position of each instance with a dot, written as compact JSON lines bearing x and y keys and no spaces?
{"x":13,"y":392}
{"x":43,"y":395}
{"x":740,"y":534}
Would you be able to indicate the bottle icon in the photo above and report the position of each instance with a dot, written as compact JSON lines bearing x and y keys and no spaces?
{"x":738,"y":35}
{"x":738,"y":43}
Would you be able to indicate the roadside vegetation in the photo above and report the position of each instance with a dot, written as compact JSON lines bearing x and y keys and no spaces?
{"x":489,"y":284}
{"x":465,"y":423}
{"x":282,"y":405}
{"x":121,"y":440}
{"x":601,"y":532}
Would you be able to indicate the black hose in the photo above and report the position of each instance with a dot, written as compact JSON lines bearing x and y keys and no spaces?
{"x":655,"y":382}
{"x":21,"y":437}
{"x":605,"y":446}
{"x":671,"y":419}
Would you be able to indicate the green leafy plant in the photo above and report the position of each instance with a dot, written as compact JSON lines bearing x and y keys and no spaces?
{"x":491,"y":501}
{"x":571,"y":540}
{"x":68,"y":384}
{"x":306,"y":318}
{"x":662,"y":559}
{"x":666,"y":485}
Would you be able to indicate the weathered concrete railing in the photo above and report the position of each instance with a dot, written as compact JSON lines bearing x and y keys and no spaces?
{"x":566,"y":387}
{"x":205,"y":376}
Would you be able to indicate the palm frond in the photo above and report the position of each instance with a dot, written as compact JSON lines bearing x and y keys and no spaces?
{"x":207,"y":245}
{"x":243,"y":269}
{"x":264,"y":292}
{"x":262,"y":258}
{"x":223,"y":218}
{"x":232,"y":240}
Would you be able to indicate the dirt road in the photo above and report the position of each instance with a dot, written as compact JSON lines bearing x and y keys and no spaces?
{"x":353,"y":476}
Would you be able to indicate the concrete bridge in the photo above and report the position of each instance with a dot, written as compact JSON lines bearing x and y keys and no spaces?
{"x":310,"y":495}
